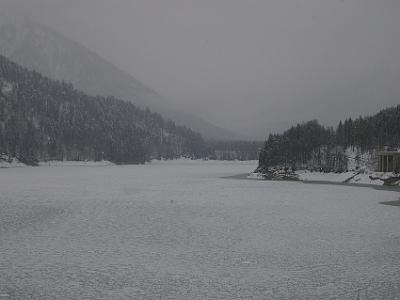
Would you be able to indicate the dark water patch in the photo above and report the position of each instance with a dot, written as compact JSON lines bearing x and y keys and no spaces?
{"x":393,"y":203}
{"x":239,"y":176}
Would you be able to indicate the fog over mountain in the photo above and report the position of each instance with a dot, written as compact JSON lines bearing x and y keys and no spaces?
{"x":250,"y":66}
{"x":40,"y":48}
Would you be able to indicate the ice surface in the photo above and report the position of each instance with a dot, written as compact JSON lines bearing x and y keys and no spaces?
{"x":177,"y":230}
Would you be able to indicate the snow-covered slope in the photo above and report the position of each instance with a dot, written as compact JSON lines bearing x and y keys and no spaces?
{"x":40,"y":48}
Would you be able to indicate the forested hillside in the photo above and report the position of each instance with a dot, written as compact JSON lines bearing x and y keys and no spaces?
{"x":313,"y":144}
{"x":43,"y":119}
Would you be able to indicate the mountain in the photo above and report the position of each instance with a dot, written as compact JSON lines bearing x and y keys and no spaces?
{"x":40,"y":48}
{"x":43,"y":119}
{"x":208,"y":130}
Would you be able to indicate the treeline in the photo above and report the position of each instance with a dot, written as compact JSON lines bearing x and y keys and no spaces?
{"x":42,"y":119}
{"x":234,"y":150}
{"x":377,"y":131}
{"x":307,"y":141}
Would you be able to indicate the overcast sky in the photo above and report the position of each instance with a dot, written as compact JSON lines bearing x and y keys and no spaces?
{"x":254,"y":66}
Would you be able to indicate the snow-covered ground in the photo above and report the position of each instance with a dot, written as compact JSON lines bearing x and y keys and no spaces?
{"x":177,"y":230}
{"x":12,"y":162}
{"x":352,"y":177}
{"x":58,"y":163}
{"x":349,"y":177}
{"x":8,"y":162}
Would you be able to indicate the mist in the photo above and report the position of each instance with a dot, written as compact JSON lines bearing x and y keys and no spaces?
{"x":254,"y":67}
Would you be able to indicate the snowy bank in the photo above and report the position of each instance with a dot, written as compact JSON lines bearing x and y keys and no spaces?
{"x":10,"y":162}
{"x":345,"y":177}
{"x":13,"y":162}
{"x":188,"y":161}
{"x":59,"y":163}
{"x":352,"y":177}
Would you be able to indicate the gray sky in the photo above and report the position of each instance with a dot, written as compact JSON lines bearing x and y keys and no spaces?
{"x":253,"y":66}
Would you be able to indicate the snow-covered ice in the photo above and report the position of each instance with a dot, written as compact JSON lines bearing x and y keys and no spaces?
{"x":178,"y":230}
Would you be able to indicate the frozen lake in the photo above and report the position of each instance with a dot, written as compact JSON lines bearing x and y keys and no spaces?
{"x":180,"y":231}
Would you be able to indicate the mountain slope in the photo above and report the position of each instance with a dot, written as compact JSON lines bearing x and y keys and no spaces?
{"x":40,"y":48}
{"x":43,"y":119}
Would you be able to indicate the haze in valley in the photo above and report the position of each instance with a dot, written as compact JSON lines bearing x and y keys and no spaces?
{"x":251,"y":66}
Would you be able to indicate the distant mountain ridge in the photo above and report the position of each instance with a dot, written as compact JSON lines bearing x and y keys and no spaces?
{"x":40,"y":48}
